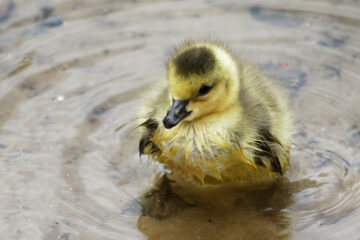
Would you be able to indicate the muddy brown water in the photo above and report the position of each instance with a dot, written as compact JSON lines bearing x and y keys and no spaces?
{"x":71,"y":73}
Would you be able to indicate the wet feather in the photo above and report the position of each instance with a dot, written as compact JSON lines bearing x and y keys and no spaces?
{"x":237,"y":130}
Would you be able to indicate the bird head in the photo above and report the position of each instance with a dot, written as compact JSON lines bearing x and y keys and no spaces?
{"x":203,"y":80}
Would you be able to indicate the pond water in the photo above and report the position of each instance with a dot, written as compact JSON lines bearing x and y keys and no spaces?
{"x":72,"y":72}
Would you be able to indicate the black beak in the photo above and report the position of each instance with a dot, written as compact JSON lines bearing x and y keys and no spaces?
{"x":176,"y":113}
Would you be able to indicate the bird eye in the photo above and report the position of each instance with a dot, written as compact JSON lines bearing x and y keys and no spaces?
{"x":204,"y":90}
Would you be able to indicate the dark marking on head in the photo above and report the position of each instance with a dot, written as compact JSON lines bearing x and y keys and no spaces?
{"x":199,"y":60}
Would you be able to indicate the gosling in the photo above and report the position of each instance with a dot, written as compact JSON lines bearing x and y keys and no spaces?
{"x":215,"y":119}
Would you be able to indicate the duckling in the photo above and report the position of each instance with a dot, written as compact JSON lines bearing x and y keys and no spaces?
{"x":215,"y":119}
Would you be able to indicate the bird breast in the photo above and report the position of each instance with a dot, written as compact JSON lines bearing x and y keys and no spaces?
{"x":200,"y":151}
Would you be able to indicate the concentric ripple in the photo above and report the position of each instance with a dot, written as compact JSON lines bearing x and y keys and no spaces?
{"x":332,"y":196}
{"x":72,"y":72}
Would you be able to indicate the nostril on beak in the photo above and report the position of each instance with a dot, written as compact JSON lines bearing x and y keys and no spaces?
{"x":177,"y":113}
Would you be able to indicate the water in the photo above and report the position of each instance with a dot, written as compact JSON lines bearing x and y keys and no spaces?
{"x":72,"y":72}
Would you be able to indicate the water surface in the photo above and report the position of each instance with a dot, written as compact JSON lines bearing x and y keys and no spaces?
{"x":71,"y":72}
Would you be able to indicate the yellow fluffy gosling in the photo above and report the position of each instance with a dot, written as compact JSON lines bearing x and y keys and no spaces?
{"x":215,"y":119}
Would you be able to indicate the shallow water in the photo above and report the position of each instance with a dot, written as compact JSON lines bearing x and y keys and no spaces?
{"x":71,"y":73}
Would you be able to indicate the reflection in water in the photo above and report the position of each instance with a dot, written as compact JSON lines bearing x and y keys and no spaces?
{"x":222,"y":213}
{"x":71,"y":73}
{"x":263,"y":211}
{"x":226,"y":212}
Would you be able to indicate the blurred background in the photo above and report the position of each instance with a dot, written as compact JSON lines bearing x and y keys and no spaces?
{"x":72,"y":72}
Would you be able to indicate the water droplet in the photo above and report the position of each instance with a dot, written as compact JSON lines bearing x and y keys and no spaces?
{"x":60,"y":98}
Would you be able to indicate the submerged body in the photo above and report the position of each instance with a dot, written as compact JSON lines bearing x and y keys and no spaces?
{"x":215,"y":119}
